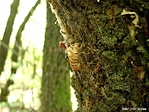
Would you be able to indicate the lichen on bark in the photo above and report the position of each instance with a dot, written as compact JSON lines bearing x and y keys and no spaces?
{"x":113,"y":52}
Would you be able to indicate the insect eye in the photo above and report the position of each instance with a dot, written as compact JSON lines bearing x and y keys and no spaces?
{"x":62,"y":45}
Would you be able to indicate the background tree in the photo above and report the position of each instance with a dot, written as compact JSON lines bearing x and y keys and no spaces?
{"x":15,"y":54}
{"x":18,"y":62}
{"x":7,"y":34}
{"x":107,"y":46}
{"x":55,"y":96}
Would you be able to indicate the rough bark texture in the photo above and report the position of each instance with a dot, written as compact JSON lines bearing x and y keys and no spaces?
{"x":55,"y":96}
{"x":108,"y":50}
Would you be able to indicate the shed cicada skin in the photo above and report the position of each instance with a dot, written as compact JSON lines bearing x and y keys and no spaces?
{"x":73,"y":56}
{"x":80,"y":60}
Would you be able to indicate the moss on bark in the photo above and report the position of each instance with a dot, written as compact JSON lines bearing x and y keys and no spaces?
{"x":112,"y":52}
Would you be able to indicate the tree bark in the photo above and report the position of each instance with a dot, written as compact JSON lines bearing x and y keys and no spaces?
{"x":55,"y":87}
{"x":108,"y":50}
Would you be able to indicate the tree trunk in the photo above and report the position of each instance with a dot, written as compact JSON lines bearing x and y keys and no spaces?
{"x":55,"y":96}
{"x":107,"y":45}
{"x":7,"y":34}
{"x":15,"y":54}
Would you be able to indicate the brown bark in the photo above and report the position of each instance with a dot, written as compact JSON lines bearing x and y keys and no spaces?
{"x":108,"y":50}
